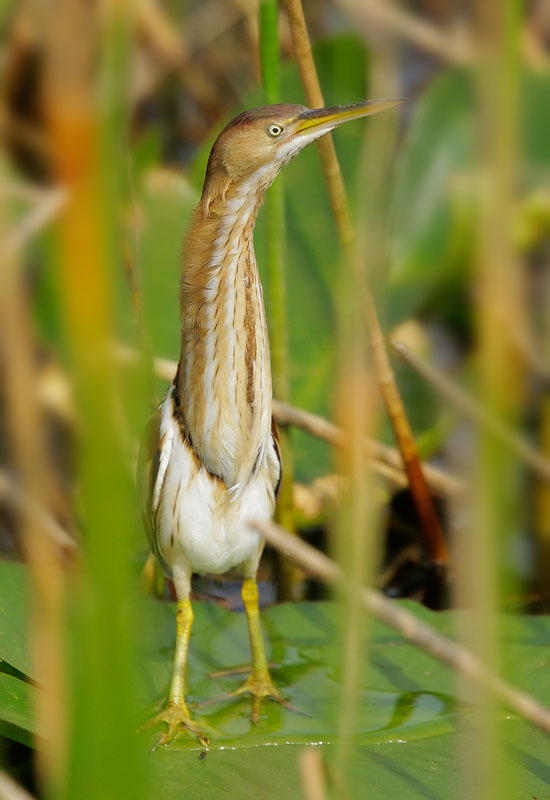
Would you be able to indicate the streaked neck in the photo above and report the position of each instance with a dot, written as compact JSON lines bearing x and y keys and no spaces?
{"x":224,"y":379}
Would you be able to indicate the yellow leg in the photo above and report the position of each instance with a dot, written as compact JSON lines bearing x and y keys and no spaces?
{"x":176,"y":714}
{"x":259,"y":684}
{"x":184,"y":622}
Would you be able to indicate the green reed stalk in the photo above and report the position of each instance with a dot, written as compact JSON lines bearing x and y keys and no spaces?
{"x":88,"y":130}
{"x":496,"y":475}
{"x":276,"y":237}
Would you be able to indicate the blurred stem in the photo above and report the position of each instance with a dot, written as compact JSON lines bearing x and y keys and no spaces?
{"x":87,"y":125}
{"x":479,"y":414}
{"x":542,"y":488}
{"x":542,"y":511}
{"x":269,"y":50}
{"x":495,"y":471}
{"x":27,"y":442}
{"x":276,"y":237}
{"x":436,"y":549}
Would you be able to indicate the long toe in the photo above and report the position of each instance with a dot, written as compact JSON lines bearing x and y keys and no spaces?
{"x":261,"y":687}
{"x":178,"y":720}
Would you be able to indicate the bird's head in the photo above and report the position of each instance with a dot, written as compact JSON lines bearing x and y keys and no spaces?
{"x":254,"y":146}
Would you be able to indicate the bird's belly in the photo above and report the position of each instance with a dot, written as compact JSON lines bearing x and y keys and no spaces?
{"x":202,"y":526}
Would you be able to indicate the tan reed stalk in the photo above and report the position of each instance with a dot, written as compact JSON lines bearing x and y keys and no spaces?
{"x":25,"y":428}
{"x":478,"y":551}
{"x":436,"y":548}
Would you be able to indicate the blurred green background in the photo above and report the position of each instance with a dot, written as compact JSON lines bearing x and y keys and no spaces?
{"x":107,"y":116}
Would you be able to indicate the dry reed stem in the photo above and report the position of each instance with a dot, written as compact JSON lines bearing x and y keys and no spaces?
{"x":536,"y":362}
{"x":27,"y":444}
{"x":14,"y":129}
{"x":312,"y":774}
{"x":10,"y":790}
{"x":497,"y":311}
{"x":419,"y":633}
{"x":475,"y":411}
{"x":441,"y":483}
{"x":449,"y":46}
{"x":436,"y":548}
{"x":533,"y":51}
{"x":13,"y":495}
{"x":154,"y":24}
{"x":325,"y":145}
{"x":46,"y":206}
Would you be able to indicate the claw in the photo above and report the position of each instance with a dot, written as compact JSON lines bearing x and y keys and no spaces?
{"x":259,"y":688}
{"x":178,"y":719}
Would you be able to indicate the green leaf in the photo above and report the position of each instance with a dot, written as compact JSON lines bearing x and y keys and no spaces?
{"x":418,"y":770}
{"x":431,"y":218}
{"x":17,"y":703}
{"x":164,"y":205}
{"x":409,"y":729}
{"x":301,"y":638}
{"x":14,"y":615}
{"x":436,"y":187}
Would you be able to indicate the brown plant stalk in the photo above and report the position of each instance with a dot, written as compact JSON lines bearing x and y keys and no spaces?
{"x":436,"y":548}
{"x":28,"y":452}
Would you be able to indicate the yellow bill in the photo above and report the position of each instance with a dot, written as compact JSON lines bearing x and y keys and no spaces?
{"x":326,"y":118}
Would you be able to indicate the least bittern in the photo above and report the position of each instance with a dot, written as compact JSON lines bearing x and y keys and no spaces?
{"x":211,"y":461}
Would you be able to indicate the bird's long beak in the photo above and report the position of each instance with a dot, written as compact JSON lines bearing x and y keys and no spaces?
{"x":324,"y":119}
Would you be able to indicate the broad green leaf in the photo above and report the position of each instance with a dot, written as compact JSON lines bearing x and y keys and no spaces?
{"x":17,"y":699}
{"x":302,"y":645}
{"x":404,"y":687}
{"x":409,"y":733}
{"x":14,"y":618}
{"x":424,"y":769}
{"x":409,"y":728}
{"x":163,"y":207}
{"x":436,"y":187}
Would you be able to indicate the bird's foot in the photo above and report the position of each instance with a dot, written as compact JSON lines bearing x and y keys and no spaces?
{"x":178,"y":719}
{"x":261,"y":686}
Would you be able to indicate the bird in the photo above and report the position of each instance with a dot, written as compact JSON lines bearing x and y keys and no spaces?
{"x":210,"y":460}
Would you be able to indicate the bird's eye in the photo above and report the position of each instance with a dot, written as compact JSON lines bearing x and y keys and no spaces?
{"x":275,"y":130}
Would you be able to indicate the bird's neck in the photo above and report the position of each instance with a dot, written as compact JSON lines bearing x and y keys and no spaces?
{"x":224,"y":380}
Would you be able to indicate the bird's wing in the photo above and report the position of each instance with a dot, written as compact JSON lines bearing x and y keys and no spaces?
{"x":151,"y":471}
{"x":278,"y":472}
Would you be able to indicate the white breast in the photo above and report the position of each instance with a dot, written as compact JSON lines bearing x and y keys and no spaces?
{"x":200,"y":524}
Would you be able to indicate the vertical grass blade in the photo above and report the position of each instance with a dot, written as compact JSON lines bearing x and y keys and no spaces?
{"x":496,"y":471}
{"x":277,"y":290}
{"x":25,"y":430}
{"x":88,"y":127}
